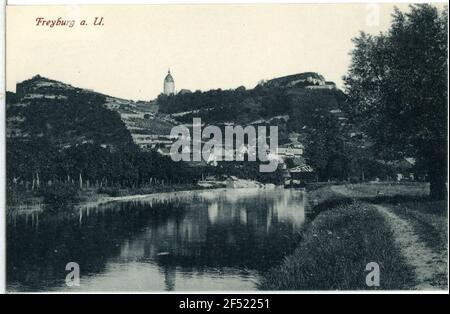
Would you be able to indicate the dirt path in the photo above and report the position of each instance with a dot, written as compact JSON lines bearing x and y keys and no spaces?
{"x":427,"y":264}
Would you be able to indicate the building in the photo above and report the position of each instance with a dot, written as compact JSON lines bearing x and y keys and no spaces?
{"x":184,"y":91}
{"x":309,"y":80}
{"x":169,"y":84}
{"x":302,"y":173}
{"x":290,"y":151}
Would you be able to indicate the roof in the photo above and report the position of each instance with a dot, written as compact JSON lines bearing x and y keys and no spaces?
{"x":300,"y":76}
{"x":169,"y":77}
{"x":303,"y":168}
{"x":289,"y":151}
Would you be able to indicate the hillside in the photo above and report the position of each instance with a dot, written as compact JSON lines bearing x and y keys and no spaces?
{"x":63,"y":115}
{"x":88,"y":116}
{"x":53,"y":116}
{"x":288,"y":101}
{"x":308,"y":110}
{"x":67,"y":115}
{"x":77,"y":138}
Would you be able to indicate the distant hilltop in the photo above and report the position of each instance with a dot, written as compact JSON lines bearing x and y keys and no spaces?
{"x":65,"y":116}
{"x":310,"y":80}
{"x":41,"y":87}
{"x":68,"y":115}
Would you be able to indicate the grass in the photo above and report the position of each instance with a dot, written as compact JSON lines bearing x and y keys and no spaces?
{"x":322,"y":199}
{"x":346,"y":232}
{"x":410,"y":202}
{"x":115,"y":191}
{"x":335,"y":250}
{"x":391,"y":189}
{"x":429,"y":220}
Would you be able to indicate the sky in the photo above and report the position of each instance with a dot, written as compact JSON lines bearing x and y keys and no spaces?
{"x":205,"y":46}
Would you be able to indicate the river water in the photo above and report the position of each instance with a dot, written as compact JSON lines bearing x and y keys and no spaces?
{"x":185,"y":241}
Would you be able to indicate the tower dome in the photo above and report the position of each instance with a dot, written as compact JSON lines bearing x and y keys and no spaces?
{"x":169,"y":84}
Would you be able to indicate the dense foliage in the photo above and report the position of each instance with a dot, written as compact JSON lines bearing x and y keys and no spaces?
{"x":314,"y":114}
{"x":397,"y":86}
{"x":246,"y":170}
{"x":90,"y":162}
{"x":62,"y":144}
{"x":240,"y":105}
{"x":79,"y":117}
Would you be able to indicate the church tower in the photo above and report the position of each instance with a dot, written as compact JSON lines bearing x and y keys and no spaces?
{"x":169,"y":85}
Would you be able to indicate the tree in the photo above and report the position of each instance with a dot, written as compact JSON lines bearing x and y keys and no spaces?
{"x":397,"y":87}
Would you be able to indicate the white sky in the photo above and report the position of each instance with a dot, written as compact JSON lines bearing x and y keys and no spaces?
{"x":205,"y":46}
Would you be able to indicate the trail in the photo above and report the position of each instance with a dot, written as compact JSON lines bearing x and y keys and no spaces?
{"x":427,"y":264}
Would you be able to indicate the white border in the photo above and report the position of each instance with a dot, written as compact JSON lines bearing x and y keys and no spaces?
{"x":2,"y":151}
{"x":117,"y":2}
{"x":114,"y":2}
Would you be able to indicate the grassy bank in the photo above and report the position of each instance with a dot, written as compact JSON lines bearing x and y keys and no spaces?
{"x":60,"y":197}
{"x":395,"y":225}
{"x":115,"y":192}
{"x":410,"y":202}
{"x":335,"y":249}
{"x":429,"y":219}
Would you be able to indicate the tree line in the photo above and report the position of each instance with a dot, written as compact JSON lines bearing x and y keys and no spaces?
{"x":36,"y":163}
{"x":398,"y":90}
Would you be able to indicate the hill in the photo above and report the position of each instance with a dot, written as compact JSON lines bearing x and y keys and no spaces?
{"x":58,"y":134}
{"x":306,"y":79}
{"x":308,"y":110}
{"x":305,"y":107}
{"x":294,"y":98}
{"x":63,"y":115}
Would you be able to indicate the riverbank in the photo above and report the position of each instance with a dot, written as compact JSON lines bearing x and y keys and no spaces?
{"x":170,"y":191}
{"x":30,"y":201}
{"x":395,"y":226}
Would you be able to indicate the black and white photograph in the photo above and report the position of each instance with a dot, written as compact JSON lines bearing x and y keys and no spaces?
{"x":218,"y":148}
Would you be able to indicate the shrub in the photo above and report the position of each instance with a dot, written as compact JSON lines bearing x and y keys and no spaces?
{"x":58,"y":193}
{"x":111,"y":191}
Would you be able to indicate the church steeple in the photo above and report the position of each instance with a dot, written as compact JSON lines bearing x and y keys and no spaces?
{"x":169,"y":84}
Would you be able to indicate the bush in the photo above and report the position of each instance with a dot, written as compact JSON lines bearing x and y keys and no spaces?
{"x":58,"y":193}
{"x":110,"y":191}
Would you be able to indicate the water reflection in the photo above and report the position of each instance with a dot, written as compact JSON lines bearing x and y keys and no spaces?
{"x":205,"y":240}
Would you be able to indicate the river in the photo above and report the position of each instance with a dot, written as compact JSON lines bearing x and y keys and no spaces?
{"x":186,"y":241}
